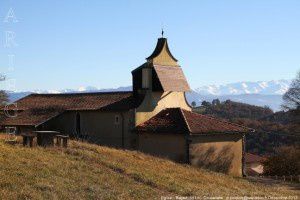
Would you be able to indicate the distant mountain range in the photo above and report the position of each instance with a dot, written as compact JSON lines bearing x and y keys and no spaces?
{"x":261,"y":93}
{"x":260,"y":87}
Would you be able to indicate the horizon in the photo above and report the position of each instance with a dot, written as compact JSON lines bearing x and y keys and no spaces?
{"x":97,"y":40}
{"x":81,"y":88}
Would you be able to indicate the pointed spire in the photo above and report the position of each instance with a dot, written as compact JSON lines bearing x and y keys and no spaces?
{"x":162,"y":33}
{"x":161,"y":54}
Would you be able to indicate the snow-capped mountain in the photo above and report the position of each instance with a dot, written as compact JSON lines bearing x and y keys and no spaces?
{"x":15,"y":95}
{"x":278,"y":87}
{"x":81,"y":89}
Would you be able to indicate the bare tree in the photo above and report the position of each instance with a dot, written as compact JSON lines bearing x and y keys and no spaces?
{"x":292,"y":97}
{"x":292,"y":103}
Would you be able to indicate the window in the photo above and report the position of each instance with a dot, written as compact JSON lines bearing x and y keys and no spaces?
{"x":117,"y":119}
{"x":146,"y":78}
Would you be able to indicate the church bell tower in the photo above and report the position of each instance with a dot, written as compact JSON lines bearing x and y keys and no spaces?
{"x":160,"y":82}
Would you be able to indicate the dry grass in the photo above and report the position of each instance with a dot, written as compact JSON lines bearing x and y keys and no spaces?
{"x":85,"y":171}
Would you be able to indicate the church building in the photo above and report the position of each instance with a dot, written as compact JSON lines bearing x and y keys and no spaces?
{"x":153,"y":118}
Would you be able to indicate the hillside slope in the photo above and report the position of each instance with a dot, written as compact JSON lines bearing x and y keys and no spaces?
{"x":85,"y":171}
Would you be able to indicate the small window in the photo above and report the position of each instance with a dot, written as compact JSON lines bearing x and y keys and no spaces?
{"x":146,"y":78}
{"x":117,"y":119}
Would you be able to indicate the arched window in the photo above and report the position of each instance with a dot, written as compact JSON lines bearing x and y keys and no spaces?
{"x":78,"y":123}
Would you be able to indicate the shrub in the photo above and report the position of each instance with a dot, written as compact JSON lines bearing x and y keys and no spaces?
{"x":284,"y":163}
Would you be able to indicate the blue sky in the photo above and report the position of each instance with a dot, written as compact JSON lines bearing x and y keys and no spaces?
{"x":73,"y":43}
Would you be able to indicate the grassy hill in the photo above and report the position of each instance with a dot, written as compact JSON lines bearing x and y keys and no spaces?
{"x":85,"y":171}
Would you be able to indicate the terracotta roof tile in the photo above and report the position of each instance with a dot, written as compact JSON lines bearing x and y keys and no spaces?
{"x":177,"y":120}
{"x":166,"y":121}
{"x":77,"y":101}
{"x":205,"y":124}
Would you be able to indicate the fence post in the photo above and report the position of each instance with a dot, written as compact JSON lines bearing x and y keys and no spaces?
{"x":283,"y":178}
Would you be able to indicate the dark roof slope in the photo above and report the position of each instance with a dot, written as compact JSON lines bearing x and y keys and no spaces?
{"x":177,"y":120}
{"x":30,"y":117}
{"x":167,"y":121}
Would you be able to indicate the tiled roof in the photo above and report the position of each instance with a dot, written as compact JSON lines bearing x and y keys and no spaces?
{"x":167,"y":121}
{"x":38,"y":108}
{"x":171,"y":78}
{"x":205,"y":124}
{"x":177,"y":120}
{"x":77,"y":101}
